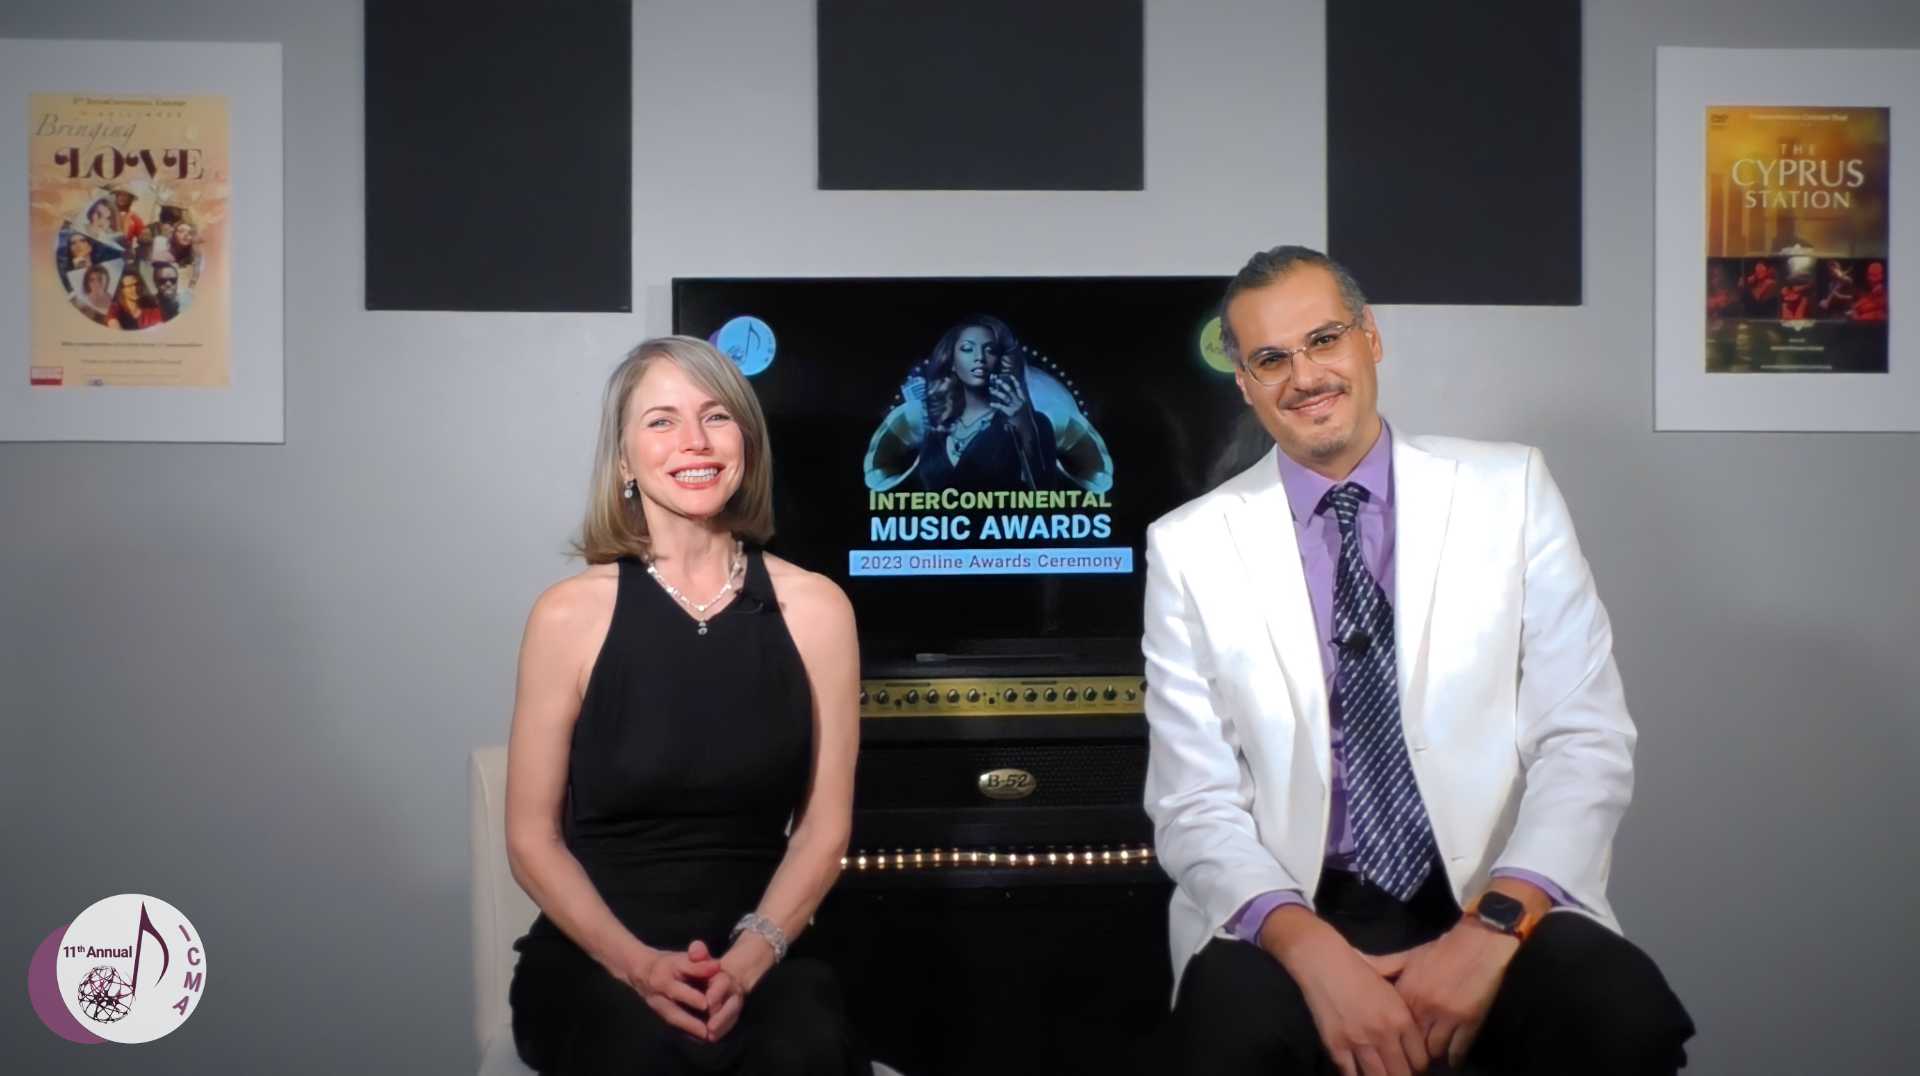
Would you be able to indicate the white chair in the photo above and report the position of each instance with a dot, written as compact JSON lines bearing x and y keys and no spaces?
{"x":501,"y":913}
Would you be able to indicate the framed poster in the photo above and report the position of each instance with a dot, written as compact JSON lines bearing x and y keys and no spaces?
{"x":140,"y":244}
{"x":1780,"y":232}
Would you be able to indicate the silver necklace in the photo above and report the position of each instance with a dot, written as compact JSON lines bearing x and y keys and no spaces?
{"x":734,"y":569}
{"x":964,"y":431}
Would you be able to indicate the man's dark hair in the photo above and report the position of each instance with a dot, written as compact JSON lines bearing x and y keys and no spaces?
{"x":1270,"y":265}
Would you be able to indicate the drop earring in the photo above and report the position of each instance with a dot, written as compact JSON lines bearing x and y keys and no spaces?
{"x":632,"y":489}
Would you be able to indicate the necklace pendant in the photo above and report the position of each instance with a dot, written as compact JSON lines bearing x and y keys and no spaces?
{"x":735,"y":568}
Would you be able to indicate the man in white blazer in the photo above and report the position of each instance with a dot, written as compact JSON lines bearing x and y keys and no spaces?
{"x":1381,"y":690}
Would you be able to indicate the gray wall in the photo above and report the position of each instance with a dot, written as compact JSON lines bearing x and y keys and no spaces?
{"x":245,"y":678}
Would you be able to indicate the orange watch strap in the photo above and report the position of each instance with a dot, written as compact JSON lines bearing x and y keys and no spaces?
{"x":1528,"y":919}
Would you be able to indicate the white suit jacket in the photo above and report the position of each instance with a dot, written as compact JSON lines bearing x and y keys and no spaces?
{"x":1509,"y":697}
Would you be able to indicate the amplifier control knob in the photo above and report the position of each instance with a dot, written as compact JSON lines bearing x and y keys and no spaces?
{"x":1009,"y":694}
{"x":1032,"y":694}
{"x":1110,"y":694}
{"x":952,"y":695}
{"x":913,"y":695}
{"x":973,"y":694}
{"x":863,"y":696}
{"x":1072,"y":694}
{"x":933,"y":698}
{"x":1052,"y":694}
{"x":881,"y":696}
{"x":1089,"y":693}
{"x":1130,"y":694}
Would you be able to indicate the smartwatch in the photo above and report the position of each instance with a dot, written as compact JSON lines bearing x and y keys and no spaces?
{"x":1502,"y":913}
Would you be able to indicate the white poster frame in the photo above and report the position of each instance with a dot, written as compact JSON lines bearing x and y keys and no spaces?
{"x":1688,"y":81}
{"x":252,"y":408}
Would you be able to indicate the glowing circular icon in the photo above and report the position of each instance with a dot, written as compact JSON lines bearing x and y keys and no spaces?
{"x":1212,"y":349}
{"x":129,"y":969}
{"x":748,"y":341}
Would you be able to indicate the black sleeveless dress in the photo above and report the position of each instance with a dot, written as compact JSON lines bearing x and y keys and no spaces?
{"x":992,"y":460}
{"x":689,"y":756}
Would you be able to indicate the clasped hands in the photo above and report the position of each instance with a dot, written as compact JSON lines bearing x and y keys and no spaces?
{"x":695,"y":991}
{"x":1397,"y":1014}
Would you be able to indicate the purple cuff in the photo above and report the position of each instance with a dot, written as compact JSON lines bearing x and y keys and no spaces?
{"x":1253,"y":914}
{"x":1554,"y":893}
{"x":1246,"y":924}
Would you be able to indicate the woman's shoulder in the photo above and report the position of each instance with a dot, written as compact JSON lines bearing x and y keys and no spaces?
{"x":804,"y":584}
{"x":807,"y":596}
{"x":577,"y":602}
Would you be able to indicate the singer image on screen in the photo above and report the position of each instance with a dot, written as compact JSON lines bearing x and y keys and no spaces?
{"x":969,"y":421}
{"x":680,"y":771}
{"x":1389,"y":747}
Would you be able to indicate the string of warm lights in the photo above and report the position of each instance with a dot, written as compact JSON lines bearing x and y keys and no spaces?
{"x":967,"y":858}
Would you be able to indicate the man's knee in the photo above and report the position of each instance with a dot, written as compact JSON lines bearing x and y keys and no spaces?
{"x":1603,"y":998}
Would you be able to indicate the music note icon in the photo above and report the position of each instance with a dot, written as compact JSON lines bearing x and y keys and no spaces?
{"x":140,"y":944}
{"x":748,"y":341}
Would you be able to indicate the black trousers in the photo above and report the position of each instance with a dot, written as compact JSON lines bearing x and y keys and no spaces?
{"x":1577,"y":998}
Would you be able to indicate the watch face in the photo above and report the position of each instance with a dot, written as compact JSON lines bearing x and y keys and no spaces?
{"x":1501,"y":911}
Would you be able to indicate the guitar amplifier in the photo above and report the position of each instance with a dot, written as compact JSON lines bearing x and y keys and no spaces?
{"x":1001,"y":908}
{"x":984,"y":780}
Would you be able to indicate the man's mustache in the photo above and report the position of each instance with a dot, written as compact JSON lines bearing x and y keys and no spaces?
{"x":1308,"y":397}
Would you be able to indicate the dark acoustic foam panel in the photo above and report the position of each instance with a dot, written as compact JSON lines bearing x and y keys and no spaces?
{"x":982,"y":94}
{"x":1453,"y":150}
{"x":499,"y":155}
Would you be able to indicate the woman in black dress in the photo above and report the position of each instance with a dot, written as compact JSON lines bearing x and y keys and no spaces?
{"x":982,"y":430}
{"x":967,"y":421}
{"x":680,"y":773}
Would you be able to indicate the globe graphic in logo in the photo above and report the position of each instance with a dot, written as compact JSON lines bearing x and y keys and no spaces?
{"x":1212,"y":350}
{"x":104,"y":995}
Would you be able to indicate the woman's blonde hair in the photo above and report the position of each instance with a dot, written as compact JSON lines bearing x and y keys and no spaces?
{"x":615,"y":526}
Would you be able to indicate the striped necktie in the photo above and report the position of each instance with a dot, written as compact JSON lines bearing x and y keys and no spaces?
{"x":1393,"y":838}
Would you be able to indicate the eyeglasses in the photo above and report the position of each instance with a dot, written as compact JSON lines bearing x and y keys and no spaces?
{"x":1274,"y":365}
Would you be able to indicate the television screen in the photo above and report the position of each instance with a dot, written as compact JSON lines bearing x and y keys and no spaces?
{"x":976,"y":460}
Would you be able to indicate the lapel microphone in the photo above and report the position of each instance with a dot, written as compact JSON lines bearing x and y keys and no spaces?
{"x":1355,"y":643}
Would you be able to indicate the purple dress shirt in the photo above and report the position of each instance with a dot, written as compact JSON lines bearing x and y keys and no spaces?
{"x":1318,"y":533}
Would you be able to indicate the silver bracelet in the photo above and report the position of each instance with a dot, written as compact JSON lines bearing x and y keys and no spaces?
{"x":769,"y":931}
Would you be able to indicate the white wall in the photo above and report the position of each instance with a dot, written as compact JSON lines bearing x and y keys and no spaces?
{"x":245,"y":678}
